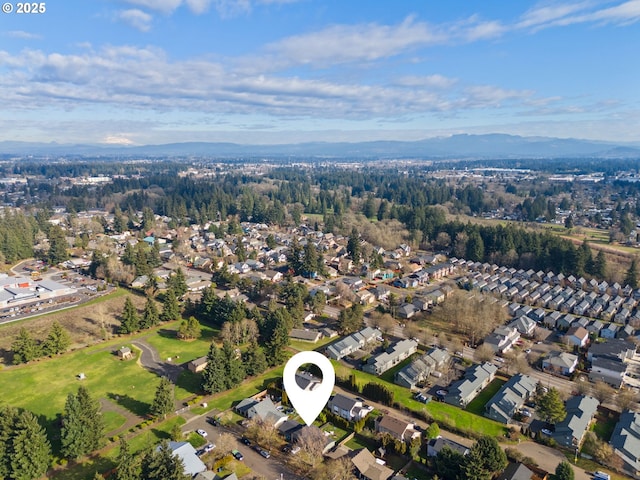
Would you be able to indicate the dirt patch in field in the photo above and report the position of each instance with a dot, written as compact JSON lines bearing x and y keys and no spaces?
{"x":86,"y":324}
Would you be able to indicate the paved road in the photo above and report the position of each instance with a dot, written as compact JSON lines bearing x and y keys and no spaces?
{"x":150,"y":360}
{"x":548,"y":458}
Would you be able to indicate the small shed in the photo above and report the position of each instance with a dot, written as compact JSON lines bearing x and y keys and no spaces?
{"x":198,"y":365}
{"x":125,"y":353}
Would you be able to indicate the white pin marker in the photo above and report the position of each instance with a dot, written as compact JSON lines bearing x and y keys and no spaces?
{"x":309,"y":404}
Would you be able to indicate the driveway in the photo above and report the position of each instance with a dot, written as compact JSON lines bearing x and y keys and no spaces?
{"x":548,"y":458}
{"x":150,"y":360}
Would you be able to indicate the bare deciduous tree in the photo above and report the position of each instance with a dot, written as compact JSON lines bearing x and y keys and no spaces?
{"x":602,"y":391}
{"x":339,"y":469}
{"x":625,"y":399}
{"x":311,"y":441}
{"x":483,"y":353}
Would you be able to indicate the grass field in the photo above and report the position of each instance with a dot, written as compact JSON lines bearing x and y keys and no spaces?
{"x":181,"y":351}
{"x":302,"y":346}
{"x":478,"y":403}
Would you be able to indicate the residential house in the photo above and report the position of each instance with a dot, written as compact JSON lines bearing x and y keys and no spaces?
{"x":305,"y":335}
{"x":577,"y":336}
{"x":264,"y":410}
{"x":395,"y":354}
{"x":407,"y":310}
{"x":418,"y":370}
{"x":399,"y":429}
{"x":561,"y":363}
{"x":348,"y":408}
{"x":516,"y":471}
{"x":185,"y":451}
{"x":198,"y":365}
{"x":370,"y":468}
{"x":510,"y":398}
{"x":307,"y":381}
{"x":524,"y":325}
{"x":625,"y":441}
{"x":610,"y":331}
{"x":580,"y":412}
{"x":502,"y":339}
{"x":618,"y":348}
{"x":476,"y":378}
{"x":299,"y":434}
{"x":435,"y":445}
{"x":608,"y":370}
{"x":355,"y":341}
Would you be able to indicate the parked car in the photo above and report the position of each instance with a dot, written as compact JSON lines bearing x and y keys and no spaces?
{"x":213,"y":421}
{"x":546,"y":431}
{"x":246,"y":441}
{"x":263,"y":452}
{"x":208,"y":447}
{"x":202,"y":433}
{"x":525,"y":412}
{"x":237,"y":455}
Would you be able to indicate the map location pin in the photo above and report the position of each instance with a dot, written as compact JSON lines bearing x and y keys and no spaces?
{"x":309,"y":403}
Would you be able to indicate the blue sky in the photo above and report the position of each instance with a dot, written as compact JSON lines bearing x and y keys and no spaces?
{"x":289,"y":71}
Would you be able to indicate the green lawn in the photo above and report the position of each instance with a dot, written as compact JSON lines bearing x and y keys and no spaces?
{"x":604,"y":428}
{"x":226,"y":400}
{"x":478,"y":403}
{"x":112,"y":421}
{"x":359,"y":441}
{"x":441,"y":412}
{"x":181,"y":351}
{"x":302,"y":346}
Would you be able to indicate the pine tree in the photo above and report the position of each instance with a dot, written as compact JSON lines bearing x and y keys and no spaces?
{"x":235,"y":372}
{"x":255,"y":361}
{"x":25,"y":348}
{"x":178,"y":283}
{"x":83,"y":426}
{"x":130,"y":321}
{"x":126,"y":464}
{"x":353,"y":246}
{"x":275,"y":348}
{"x":30,"y":449}
{"x":213,"y":376}
{"x":8,"y":416}
{"x":170,"y":307}
{"x":550,"y":406}
{"x":57,"y":246}
{"x":189,"y":329}
{"x":150,"y":315}
{"x":631,"y":277}
{"x":485,"y":459}
{"x":58,"y":340}
{"x":564,"y":471}
{"x":599,"y":265}
{"x":162,"y":464}
{"x":163,"y":402}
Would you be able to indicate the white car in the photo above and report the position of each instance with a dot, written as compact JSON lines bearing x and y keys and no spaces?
{"x":546,"y":431}
{"x":202,"y":433}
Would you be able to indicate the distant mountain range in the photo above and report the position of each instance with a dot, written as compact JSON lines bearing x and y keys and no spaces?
{"x":456,"y":146}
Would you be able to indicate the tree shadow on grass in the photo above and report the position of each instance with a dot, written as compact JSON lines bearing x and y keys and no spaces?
{"x":161,"y":434}
{"x":134,"y":406}
{"x":168,"y":333}
{"x":191,"y":382}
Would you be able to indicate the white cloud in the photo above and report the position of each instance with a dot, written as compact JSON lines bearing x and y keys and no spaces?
{"x":22,"y":35}
{"x":136,"y":18}
{"x":163,"y":6}
{"x":559,"y":15}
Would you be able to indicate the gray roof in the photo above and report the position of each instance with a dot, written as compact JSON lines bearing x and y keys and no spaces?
{"x":516,"y":471}
{"x":510,"y":398}
{"x":464,"y":390}
{"x":626,"y":439}
{"x":192,"y":464}
{"x":420,"y":368}
{"x":343,"y":402}
{"x":580,"y":411}
{"x":561,"y":359}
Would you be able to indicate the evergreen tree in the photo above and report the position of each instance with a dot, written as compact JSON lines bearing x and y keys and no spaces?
{"x":564,"y":471}
{"x":25,"y":348}
{"x":309,"y":265}
{"x":126,"y":464}
{"x":631,"y":277}
{"x":255,"y":361}
{"x":8,"y":416}
{"x":550,"y":406}
{"x":279,"y":338}
{"x":353,"y":246}
{"x":214,"y":374}
{"x":485,"y":459}
{"x":178,"y":283}
{"x":170,"y":307}
{"x":163,"y":402}
{"x":189,"y":329}
{"x":433,"y":431}
{"x":350,"y":319}
{"x":130,"y":322}
{"x":150,"y":315}
{"x":294,"y":256}
{"x":162,"y":464}
{"x":30,"y":451}
{"x":58,"y":340}
{"x":599,"y":266}
{"x":57,"y":246}
{"x":235,"y":372}
{"x":83,"y":426}
{"x":448,"y":463}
